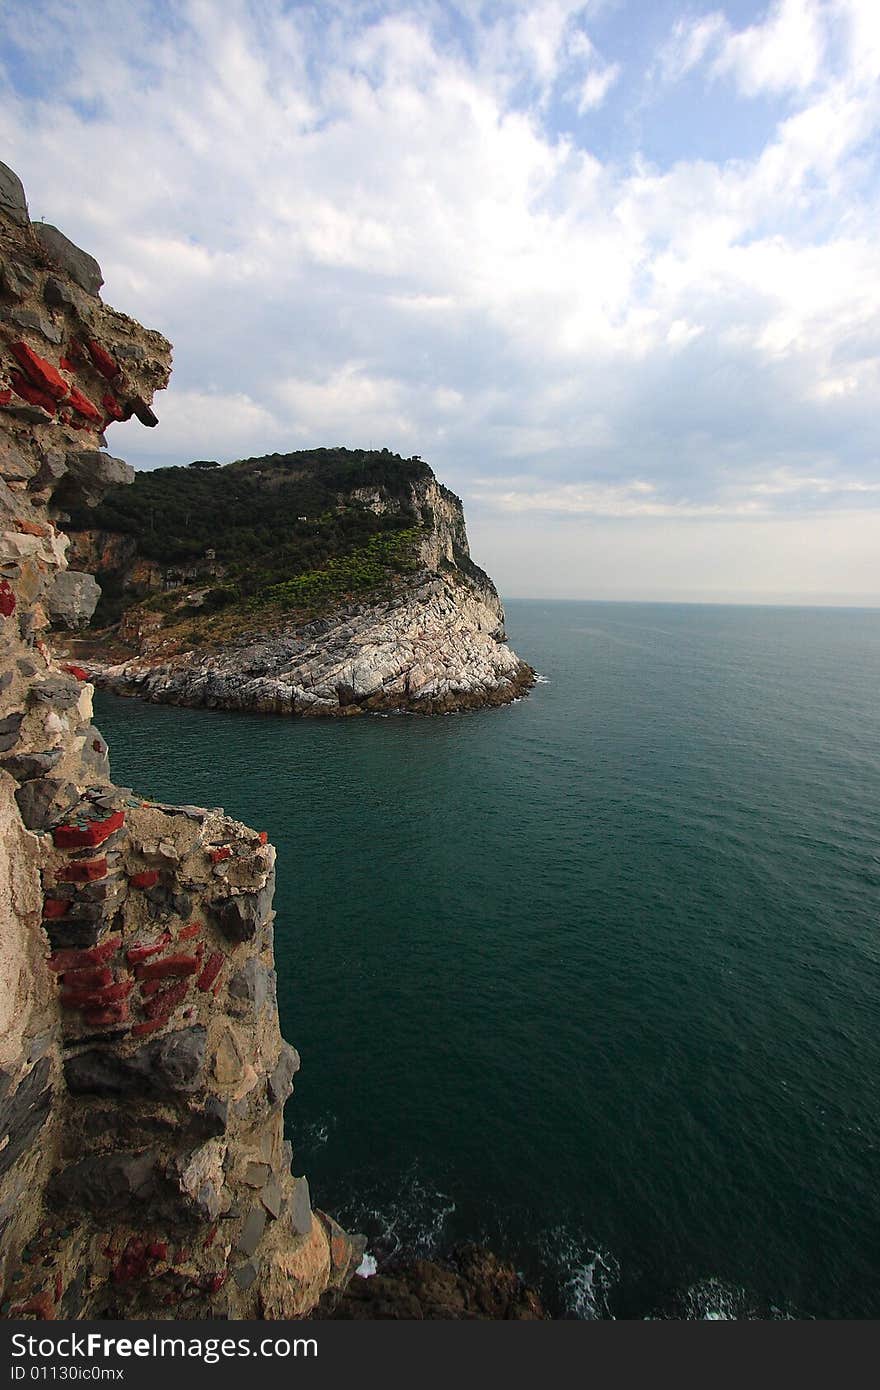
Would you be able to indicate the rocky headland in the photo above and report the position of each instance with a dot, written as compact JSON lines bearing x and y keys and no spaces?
{"x":143,"y":1077}
{"x":336,"y":582}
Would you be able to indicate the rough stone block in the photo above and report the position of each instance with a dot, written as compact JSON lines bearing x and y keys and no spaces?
{"x":79,"y":265}
{"x":26,"y":766}
{"x":256,"y":1174}
{"x":73,"y":598}
{"x":171,"y":1065}
{"x":37,"y":800}
{"x":213,"y":1119}
{"x":240,"y":917}
{"x":301,"y":1207}
{"x":10,"y":727}
{"x":12,"y":199}
{"x":279,"y":1082}
{"x":70,"y":934}
{"x":24,"y":1112}
{"x":107,"y":1182}
{"x":271,"y":1198}
{"x":91,"y":472}
{"x":254,"y":983}
{"x":252,"y":1231}
{"x":57,"y":294}
{"x":245,"y":1275}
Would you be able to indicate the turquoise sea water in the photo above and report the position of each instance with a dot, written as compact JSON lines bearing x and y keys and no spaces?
{"x":594,"y":978}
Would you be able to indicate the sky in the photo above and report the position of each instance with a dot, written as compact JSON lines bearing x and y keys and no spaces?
{"x":611,"y":268}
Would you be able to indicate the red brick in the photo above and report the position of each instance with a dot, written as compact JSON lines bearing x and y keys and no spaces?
{"x":31,"y":393}
{"x":67,"y":364}
{"x":213,"y":966}
{"x":132,"y":1263}
{"x":75,"y":959}
{"x":188,"y":932}
{"x":99,"y":1018}
{"x":147,"y":878}
{"x":102,"y":360}
{"x":141,"y":1029}
{"x":136,"y":953}
{"x":170,"y":966}
{"x":263,"y":837}
{"x":77,"y":671}
{"x":84,"y":871}
{"x":161,"y":1004}
{"x":40,"y":1306}
{"x":151,"y":987}
{"x":95,"y":833}
{"x":7,"y":599}
{"x":218,"y":855}
{"x":112,"y":407}
{"x":40,"y":372}
{"x":90,"y":977}
{"x":84,"y":406}
{"x":106,"y":994}
{"x":55,"y":907}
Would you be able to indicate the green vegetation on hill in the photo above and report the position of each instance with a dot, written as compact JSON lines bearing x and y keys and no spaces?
{"x":285,"y":529}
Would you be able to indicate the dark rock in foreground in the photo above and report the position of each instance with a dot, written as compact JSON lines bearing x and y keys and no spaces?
{"x":471,"y":1284}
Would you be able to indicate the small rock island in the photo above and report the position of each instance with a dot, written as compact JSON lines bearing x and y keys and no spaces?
{"x":321,"y":582}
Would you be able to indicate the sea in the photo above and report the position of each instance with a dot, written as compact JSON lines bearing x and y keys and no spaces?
{"x":593,"y":979}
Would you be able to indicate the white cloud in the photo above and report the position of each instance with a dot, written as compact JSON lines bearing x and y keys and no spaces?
{"x":356,"y":228}
{"x":781,"y":54}
{"x":596,"y":86}
{"x":689,"y":43}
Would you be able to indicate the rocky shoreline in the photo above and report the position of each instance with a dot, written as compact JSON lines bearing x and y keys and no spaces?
{"x":437,"y":647}
{"x":470,"y":1284}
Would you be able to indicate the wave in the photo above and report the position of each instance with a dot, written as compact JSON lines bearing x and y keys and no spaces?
{"x":413,"y":1224}
{"x":313,"y":1136}
{"x":713,"y":1300}
{"x":577,"y":1277}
